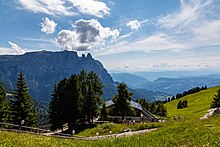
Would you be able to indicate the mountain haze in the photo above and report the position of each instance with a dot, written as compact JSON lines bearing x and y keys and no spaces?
{"x":132,"y":80}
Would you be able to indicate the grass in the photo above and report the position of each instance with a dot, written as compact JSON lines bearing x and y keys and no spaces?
{"x":103,"y":129}
{"x":172,"y":133}
{"x":184,"y":132}
{"x":198,"y":104}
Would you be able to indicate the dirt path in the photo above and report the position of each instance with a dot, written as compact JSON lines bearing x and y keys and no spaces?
{"x":119,"y":135}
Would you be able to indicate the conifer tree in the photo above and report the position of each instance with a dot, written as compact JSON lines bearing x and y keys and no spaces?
{"x":92,"y":99}
{"x":216,"y":100}
{"x":4,"y":113}
{"x":54,"y":112}
{"x":161,"y":110}
{"x":153,"y":108}
{"x":121,"y":100}
{"x":104,"y":112}
{"x":22,"y":107}
{"x":72,"y":101}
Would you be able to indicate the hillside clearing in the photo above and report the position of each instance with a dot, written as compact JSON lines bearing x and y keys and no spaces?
{"x":198,"y":104}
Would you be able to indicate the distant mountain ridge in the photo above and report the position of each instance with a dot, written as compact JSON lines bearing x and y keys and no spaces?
{"x":179,"y":85}
{"x":170,"y":86}
{"x":42,"y":69}
{"x":133,"y":81}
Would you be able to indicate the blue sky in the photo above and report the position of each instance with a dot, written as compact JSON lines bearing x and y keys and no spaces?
{"x":125,"y":35}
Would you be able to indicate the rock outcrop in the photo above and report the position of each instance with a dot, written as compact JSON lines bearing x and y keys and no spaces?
{"x":211,"y":112}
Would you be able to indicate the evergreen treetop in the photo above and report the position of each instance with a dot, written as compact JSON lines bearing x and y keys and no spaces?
{"x":22,"y":107}
{"x":216,"y":100}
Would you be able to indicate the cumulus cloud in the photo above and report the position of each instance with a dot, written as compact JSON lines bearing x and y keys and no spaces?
{"x":16,"y":48}
{"x":135,"y":24}
{"x":13,"y":50}
{"x":91,"y":7}
{"x":48,"y":26}
{"x":66,"y":7}
{"x":86,"y":35}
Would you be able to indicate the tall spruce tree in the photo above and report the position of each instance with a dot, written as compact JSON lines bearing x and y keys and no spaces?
{"x":22,"y":107}
{"x":4,"y":113}
{"x":216,"y":100}
{"x":92,"y":98}
{"x":54,"y":112}
{"x":121,"y":100}
{"x":72,"y":109}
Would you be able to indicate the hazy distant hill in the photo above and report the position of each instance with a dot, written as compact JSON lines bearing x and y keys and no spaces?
{"x":133,"y":81}
{"x":179,"y":85}
{"x":169,"y":86}
{"x":43,"y":69}
{"x":176,"y":74}
{"x":149,"y":95}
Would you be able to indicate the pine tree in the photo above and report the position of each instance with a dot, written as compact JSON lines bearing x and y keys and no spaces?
{"x":121,"y":100}
{"x":104,"y":112}
{"x":72,"y":101}
{"x":92,"y":98}
{"x":4,"y":113}
{"x":216,"y":100}
{"x":144,"y":103}
{"x":54,"y":112}
{"x":22,"y":107}
{"x":161,"y":110}
{"x":153,"y":108}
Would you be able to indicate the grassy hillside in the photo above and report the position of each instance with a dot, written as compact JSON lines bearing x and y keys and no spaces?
{"x":183,"y":132}
{"x":198,"y":104}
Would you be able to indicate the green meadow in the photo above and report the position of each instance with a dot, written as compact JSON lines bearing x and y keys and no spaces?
{"x":198,"y":104}
{"x":182,"y":132}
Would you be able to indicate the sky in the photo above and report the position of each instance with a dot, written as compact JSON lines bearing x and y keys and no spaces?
{"x":125,"y":35}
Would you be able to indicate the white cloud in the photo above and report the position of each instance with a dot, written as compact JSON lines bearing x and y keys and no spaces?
{"x":91,"y":7}
{"x":48,"y":26}
{"x":135,"y":24}
{"x":155,"y":42}
{"x":208,"y":33}
{"x":195,"y":24}
{"x":13,"y":50}
{"x":51,"y":7}
{"x":66,"y":7}
{"x":16,"y":48}
{"x":87,"y":35}
{"x":189,"y":13}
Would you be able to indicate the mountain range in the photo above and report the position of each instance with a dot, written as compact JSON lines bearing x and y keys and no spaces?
{"x":43,"y":69}
{"x":170,"y":86}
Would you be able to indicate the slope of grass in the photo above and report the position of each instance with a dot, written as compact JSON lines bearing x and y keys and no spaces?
{"x":173,"y":133}
{"x":183,"y":132}
{"x":198,"y":104}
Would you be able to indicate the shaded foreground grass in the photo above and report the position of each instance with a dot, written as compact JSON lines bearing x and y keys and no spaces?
{"x":173,"y":133}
